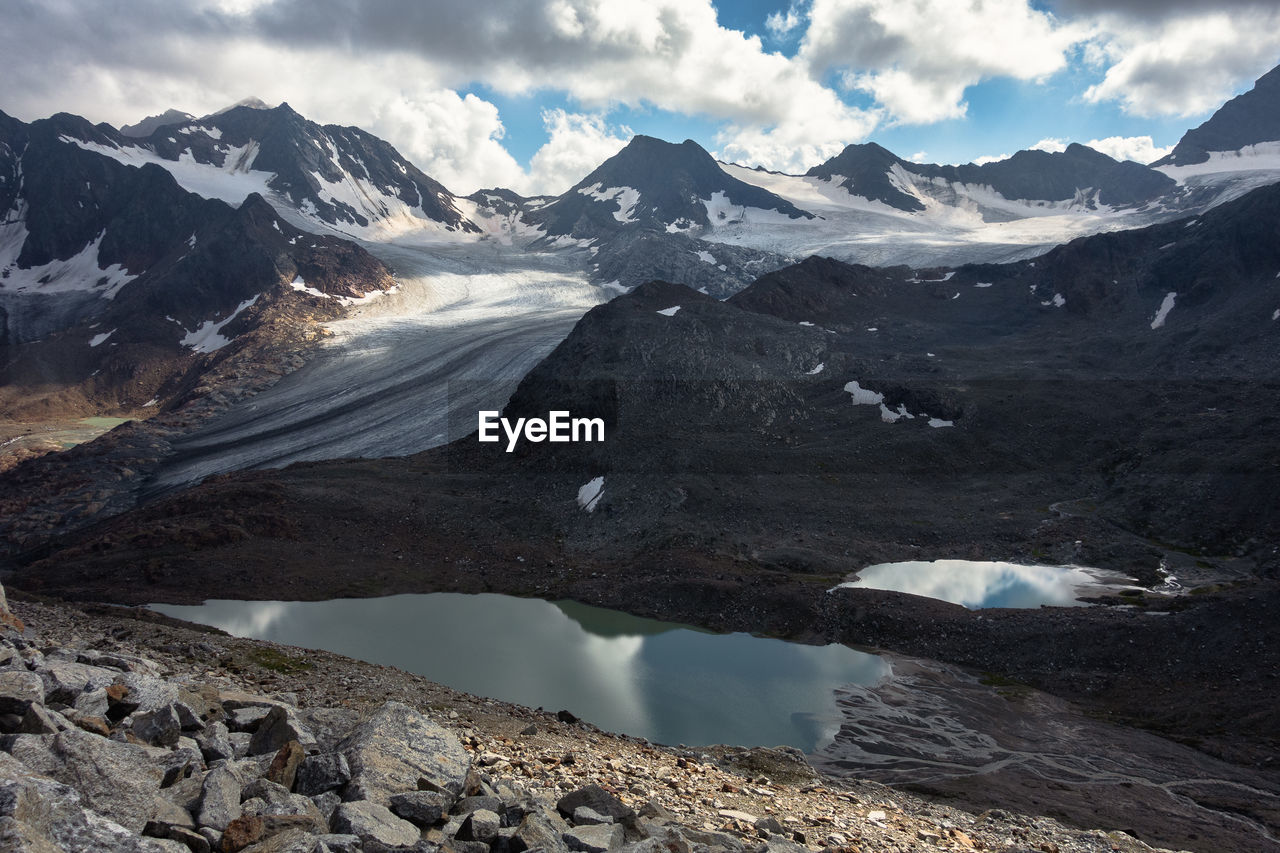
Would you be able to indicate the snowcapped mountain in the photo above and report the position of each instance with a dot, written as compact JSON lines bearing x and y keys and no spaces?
{"x":340,"y":176}
{"x":114,"y":271}
{"x":1077,"y":176}
{"x":656,"y":185}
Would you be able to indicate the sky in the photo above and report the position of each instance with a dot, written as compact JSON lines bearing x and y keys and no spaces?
{"x":534,"y":94}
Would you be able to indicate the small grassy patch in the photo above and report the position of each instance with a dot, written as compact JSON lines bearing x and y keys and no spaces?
{"x":277,"y":661}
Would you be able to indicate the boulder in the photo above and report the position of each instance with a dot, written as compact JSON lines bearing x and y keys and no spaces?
{"x":18,"y":690}
{"x":319,"y":773}
{"x":40,"y":815}
{"x":64,"y":680}
{"x":277,"y":728}
{"x":481,"y":825}
{"x":219,"y":799}
{"x":421,"y":808}
{"x":117,"y":780}
{"x":214,"y":742}
{"x":398,"y":750}
{"x":373,"y":822}
{"x":598,"y":800}
{"x":594,"y":839}
{"x":284,"y":767}
{"x":159,"y":727}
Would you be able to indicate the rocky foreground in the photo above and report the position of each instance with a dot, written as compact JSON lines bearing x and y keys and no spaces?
{"x":124,"y":731}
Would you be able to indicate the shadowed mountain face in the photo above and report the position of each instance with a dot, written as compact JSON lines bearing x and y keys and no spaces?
{"x":652,"y":184}
{"x":342,"y":176}
{"x":1244,"y":120}
{"x":869,"y":170}
{"x":117,"y":282}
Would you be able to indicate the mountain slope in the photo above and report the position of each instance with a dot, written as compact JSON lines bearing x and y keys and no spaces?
{"x":655,"y":185}
{"x":1078,"y":172}
{"x":340,"y":176}
{"x":112,"y":278}
{"x":1245,"y":120}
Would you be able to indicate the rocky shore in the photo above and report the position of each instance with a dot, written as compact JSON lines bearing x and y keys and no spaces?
{"x":125,"y":731}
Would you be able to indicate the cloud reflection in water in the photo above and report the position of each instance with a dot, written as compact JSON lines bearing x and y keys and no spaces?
{"x":662,"y":681}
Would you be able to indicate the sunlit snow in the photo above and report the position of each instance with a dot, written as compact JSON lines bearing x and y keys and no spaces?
{"x":206,"y":337}
{"x":1165,"y":307}
{"x":589,"y":494}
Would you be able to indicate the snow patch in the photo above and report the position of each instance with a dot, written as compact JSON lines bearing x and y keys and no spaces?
{"x":299,"y":284}
{"x":864,"y":396}
{"x":206,"y":337}
{"x":1057,"y":301}
{"x":939,"y":423}
{"x":816,"y":370}
{"x":626,"y":198}
{"x":1165,"y":307}
{"x":705,"y":256}
{"x":983,"y":284}
{"x":590,"y":493}
{"x":98,"y":339}
{"x":80,"y":272}
{"x":805,"y":323}
{"x":669,"y":312}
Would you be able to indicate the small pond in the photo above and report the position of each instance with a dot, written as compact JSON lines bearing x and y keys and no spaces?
{"x":666,"y":682}
{"x":977,"y":584}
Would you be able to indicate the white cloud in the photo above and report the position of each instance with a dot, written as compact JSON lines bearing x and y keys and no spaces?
{"x":1139,"y":149}
{"x":917,"y":57}
{"x":1183,"y":65}
{"x":1050,"y":144}
{"x":782,"y":24}
{"x":578,"y":144}
{"x":991,"y":158}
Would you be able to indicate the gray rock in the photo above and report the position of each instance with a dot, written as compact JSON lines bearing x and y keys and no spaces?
{"x":398,"y":750}
{"x":291,"y":806}
{"x":247,"y":719}
{"x":324,"y":772}
{"x":214,"y":742}
{"x":65,"y":680}
{"x":219,"y":798}
{"x":264,"y":789}
{"x":292,"y":840}
{"x":41,"y":815}
{"x":92,"y":702}
{"x":594,"y":839}
{"x":326,"y":803}
{"x":481,"y":825}
{"x":41,"y":721}
{"x":188,"y":717}
{"x":373,"y":822}
{"x":277,"y":728}
{"x":117,"y":780}
{"x":587,"y":816}
{"x":337,"y":844}
{"x":421,"y":808}
{"x":159,"y":727}
{"x":118,"y":660}
{"x":541,"y":831}
{"x":598,"y":800}
{"x":148,"y":692}
{"x":466,"y":805}
{"x":18,"y":690}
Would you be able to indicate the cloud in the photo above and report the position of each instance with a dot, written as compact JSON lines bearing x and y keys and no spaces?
{"x":917,"y":57}
{"x":1186,"y":64}
{"x":782,"y":24}
{"x":1139,"y":149}
{"x":578,"y":144}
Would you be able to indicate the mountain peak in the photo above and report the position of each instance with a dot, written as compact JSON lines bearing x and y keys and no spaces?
{"x":1245,"y":120}
{"x":150,"y":124}
{"x":251,"y":102}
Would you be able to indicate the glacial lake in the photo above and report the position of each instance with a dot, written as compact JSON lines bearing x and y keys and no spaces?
{"x":663,"y":681}
{"x":977,"y":584}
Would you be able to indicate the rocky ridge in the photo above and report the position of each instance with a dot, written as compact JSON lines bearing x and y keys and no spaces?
{"x":126,"y":731}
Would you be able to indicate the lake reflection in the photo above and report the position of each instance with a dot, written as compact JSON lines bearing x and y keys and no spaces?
{"x":977,"y":584}
{"x":667,"y":682}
